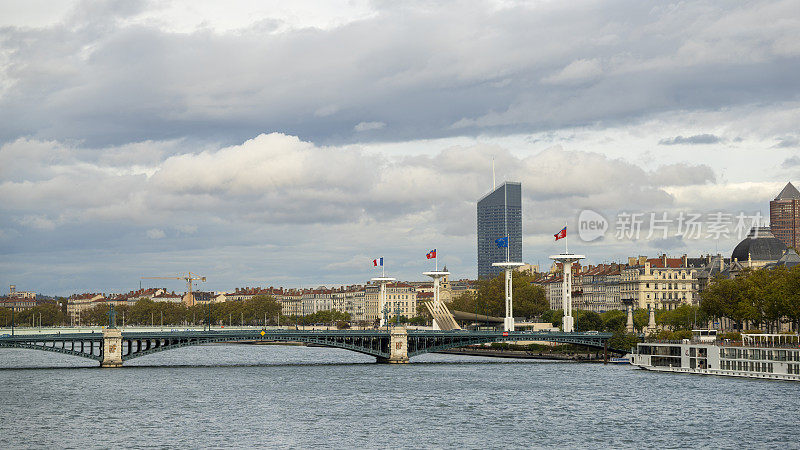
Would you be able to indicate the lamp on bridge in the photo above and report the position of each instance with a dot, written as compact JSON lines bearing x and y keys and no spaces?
{"x":112,"y":317}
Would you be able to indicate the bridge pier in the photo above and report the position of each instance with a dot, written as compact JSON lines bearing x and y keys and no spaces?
{"x":112,"y":348}
{"x":398,"y":347}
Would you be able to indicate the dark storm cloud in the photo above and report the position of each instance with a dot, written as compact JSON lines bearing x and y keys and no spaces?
{"x":690,"y":140}
{"x":409,"y":71}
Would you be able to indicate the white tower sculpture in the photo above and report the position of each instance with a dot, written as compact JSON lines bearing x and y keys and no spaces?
{"x":508,"y":322}
{"x":566,"y":259}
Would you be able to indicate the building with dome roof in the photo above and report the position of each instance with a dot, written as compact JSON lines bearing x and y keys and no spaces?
{"x":758,"y":249}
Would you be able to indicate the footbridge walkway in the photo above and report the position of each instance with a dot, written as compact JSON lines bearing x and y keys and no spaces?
{"x":112,"y":346}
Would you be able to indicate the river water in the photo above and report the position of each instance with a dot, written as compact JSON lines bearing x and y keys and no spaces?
{"x":300,"y":397}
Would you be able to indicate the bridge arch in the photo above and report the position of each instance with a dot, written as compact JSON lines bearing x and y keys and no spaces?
{"x":427,"y":342}
{"x":88,"y":345}
{"x":134,"y":347}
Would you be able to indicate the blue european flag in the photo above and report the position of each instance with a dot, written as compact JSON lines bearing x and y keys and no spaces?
{"x":502,"y":242}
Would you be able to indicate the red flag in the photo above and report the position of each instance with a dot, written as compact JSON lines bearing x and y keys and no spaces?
{"x":431,"y":254}
{"x":561,"y":234}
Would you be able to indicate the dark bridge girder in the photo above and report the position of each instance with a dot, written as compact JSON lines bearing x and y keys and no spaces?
{"x":370,"y":342}
{"x":420,"y":342}
{"x":87,"y":345}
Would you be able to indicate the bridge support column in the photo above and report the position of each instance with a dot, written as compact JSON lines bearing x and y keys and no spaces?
{"x":112,"y":348}
{"x":398,"y":347}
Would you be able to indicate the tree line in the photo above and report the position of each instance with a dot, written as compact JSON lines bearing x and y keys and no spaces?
{"x":46,"y":314}
{"x":758,"y":298}
{"x":489,"y":298}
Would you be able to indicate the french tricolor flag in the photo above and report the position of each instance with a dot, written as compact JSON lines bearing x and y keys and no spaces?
{"x":431,"y":254}
{"x":377,"y":262}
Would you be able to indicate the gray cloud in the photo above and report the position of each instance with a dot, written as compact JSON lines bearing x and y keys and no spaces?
{"x":787,"y":142}
{"x":682,"y":174}
{"x":791,"y":162}
{"x":670,"y":243}
{"x":275,"y":191}
{"x":691,"y":140}
{"x":367,"y":126}
{"x":129,"y":146}
{"x":103,"y":78}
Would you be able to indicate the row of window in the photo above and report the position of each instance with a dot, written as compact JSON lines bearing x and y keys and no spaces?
{"x":669,"y":275}
{"x":669,"y":286}
{"x":747,"y":366}
{"x":766,"y":354}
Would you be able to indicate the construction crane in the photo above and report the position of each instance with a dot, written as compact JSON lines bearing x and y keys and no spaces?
{"x":189,"y":278}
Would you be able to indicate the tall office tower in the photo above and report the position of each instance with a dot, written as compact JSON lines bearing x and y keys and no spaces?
{"x":499,"y":214}
{"x":784,"y":216}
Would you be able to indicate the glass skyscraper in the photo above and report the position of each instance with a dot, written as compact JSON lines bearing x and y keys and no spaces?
{"x":499,"y":214}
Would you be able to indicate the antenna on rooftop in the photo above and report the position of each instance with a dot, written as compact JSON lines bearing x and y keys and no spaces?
{"x":494,"y":183}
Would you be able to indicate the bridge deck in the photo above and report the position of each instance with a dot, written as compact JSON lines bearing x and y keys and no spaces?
{"x":375,"y":342}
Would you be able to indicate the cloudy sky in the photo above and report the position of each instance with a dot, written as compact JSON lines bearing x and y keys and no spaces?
{"x":289,"y":143}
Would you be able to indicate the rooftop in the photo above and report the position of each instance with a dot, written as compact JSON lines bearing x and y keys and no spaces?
{"x":759,"y":245}
{"x":789,"y":193}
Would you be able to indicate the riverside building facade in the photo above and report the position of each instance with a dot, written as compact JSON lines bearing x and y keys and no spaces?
{"x":660,"y":283}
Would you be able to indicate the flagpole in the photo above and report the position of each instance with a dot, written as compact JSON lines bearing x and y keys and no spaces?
{"x":566,"y":241}
{"x":383,"y":268}
{"x":437,"y":261}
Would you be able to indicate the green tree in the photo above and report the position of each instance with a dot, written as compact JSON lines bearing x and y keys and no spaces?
{"x":96,"y":315}
{"x":623,"y":341}
{"x":614,"y":320}
{"x":529,"y":300}
{"x":641,"y":318}
{"x":683,"y":317}
{"x":50,"y":314}
{"x":5,"y":316}
{"x":791,"y":307}
{"x":554,"y":316}
{"x":588,"y":321}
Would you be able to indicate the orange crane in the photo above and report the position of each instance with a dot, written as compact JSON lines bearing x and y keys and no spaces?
{"x":189,"y":300}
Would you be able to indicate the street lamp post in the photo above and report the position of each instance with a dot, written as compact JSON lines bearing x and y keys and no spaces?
{"x":477,"y":326}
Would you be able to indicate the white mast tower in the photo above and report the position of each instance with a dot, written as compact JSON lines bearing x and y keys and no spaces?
{"x":567,"y":259}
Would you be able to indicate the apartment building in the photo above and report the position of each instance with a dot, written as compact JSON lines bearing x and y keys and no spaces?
{"x":662,"y":282}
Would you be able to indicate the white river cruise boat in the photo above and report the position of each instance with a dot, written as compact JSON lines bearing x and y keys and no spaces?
{"x":768,"y":356}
